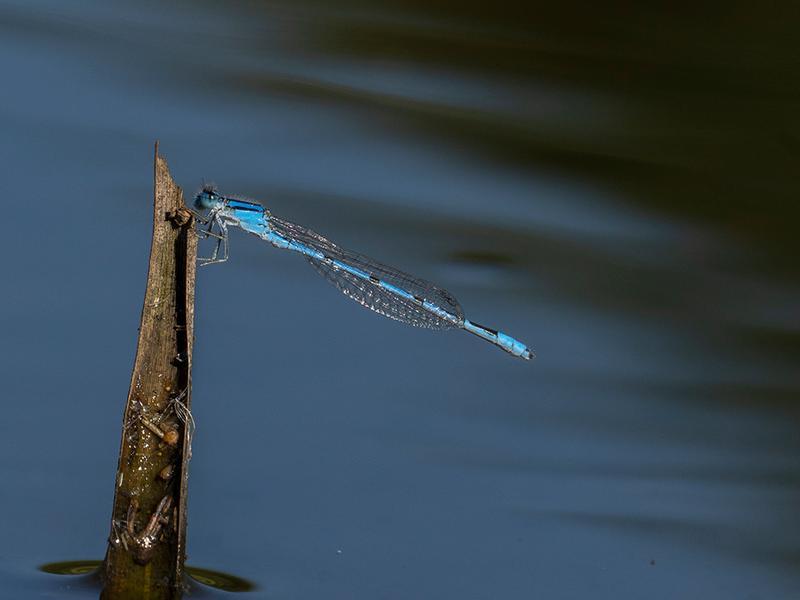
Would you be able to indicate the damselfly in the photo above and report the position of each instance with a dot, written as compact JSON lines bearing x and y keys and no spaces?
{"x":380,"y":288}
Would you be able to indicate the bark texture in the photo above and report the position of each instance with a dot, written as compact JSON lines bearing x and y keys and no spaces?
{"x":147,"y":544}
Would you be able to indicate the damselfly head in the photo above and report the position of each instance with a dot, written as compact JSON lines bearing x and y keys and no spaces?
{"x":207,"y":198}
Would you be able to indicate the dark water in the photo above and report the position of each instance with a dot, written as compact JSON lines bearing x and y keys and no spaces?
{"x":617,"y":187}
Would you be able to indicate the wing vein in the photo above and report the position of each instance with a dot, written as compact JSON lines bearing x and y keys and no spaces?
{"x":368,"y":292}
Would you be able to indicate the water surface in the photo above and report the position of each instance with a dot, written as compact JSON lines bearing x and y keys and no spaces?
{"x":615,"y":187}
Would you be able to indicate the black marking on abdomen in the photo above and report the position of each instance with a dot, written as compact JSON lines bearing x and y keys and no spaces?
{"x":244,"y":205}
{"x":489,"y":329}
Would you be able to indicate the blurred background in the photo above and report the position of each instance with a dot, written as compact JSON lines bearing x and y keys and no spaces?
{"x":614,"y":185}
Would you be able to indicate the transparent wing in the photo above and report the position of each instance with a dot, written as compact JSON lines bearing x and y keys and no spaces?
{"x":370,"y":294}
{"x":378,"y":299}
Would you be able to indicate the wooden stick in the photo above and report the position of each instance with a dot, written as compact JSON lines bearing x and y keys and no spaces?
{"x":147,"y":545}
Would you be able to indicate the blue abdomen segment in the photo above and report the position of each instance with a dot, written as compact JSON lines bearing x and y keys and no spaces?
{"x":498,"y":338}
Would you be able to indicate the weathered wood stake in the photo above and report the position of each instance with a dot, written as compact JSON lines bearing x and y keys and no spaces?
{"x":147,"y":544}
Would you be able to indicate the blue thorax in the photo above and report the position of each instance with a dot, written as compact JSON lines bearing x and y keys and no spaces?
{"x":247,"y":215}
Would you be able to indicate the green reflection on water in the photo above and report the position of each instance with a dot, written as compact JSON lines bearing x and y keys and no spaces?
{"x":221,"y":581}
{"x":215,"y":579}
{"x":71,"y":567}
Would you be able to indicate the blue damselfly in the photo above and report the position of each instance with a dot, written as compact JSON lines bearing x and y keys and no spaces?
{"x":383,"y":289}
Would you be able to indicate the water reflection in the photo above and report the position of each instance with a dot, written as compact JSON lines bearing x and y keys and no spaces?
{"x":90,"y":570}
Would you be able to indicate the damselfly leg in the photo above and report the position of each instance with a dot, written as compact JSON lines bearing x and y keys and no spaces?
{"x":221,"y":237}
